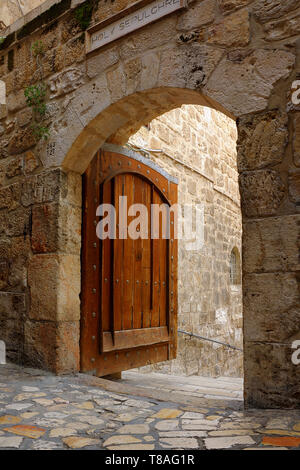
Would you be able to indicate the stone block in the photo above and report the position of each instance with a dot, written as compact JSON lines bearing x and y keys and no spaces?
{"x":283,"y":28}
{"x":271,"y":379}
{"x":197,"y":15}
{"x":269,"y":299}
{"x":262,"y":140}
{"x":294,"y":186}
{"x":56,"y":228}
{"x":12,"y":306}
{"x":271,"y":245}
{"x":66,"y":81}
{"x":45,"y":187}
{"x":296,"y":138}
{"x":52,"y":346}
{"x":21,"y":140}
{"x":10,"y":197}
{"x":75,"y":51}
{"x":15,"y":223}
{"x":262,"y":192}
{"x":264,"y":10}
{"x":227,"y":6}
{"x":15,"y":167}
{"x":16,"y":101}
{"x":232,"y":31}
{"x":59,"y":276}
{"x":100,"y":62}
{"x":249,"y":80}
{"x":189,"y":66}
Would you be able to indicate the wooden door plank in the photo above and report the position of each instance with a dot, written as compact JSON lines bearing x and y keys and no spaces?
{"x":135,"y":338}
{"x":128,"y":266}
{"x":118,"y":260}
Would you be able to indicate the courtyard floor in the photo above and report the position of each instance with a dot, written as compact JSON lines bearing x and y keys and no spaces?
{"x":41,"y":411}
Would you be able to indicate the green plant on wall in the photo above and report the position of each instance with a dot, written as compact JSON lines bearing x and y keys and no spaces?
{"x":84,"y":12}
{"x":2,"y":39}
{"x":36,"y":95}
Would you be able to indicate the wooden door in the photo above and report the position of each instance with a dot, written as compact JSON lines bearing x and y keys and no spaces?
{"x":129,"y":285}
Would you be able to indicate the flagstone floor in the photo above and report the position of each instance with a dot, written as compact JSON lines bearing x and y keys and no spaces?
{"x":221,"y":388}
{"x":42,"y":411}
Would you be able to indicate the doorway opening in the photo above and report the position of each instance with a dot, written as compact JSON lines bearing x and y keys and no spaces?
{"x":196,"y":146}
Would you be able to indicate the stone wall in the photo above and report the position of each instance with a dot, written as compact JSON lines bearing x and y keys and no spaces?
{"x":204,"y":141}
{"x":240,"y":57}
{"x":12,"y":10}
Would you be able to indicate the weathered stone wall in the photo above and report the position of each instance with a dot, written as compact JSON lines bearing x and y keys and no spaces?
{"x":240,"y":57}
{"x":204,"y":141}
{"x":12,"y":10}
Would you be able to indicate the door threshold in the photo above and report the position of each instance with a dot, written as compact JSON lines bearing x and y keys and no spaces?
{"x":125,"y":389}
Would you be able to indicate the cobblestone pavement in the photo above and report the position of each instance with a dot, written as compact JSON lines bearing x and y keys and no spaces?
{"x":41,"y":411}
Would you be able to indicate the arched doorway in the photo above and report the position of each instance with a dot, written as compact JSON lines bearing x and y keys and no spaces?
{"x":199,"y":264}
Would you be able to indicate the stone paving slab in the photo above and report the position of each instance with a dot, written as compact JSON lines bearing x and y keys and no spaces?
{"x":205,"y":387}
{"x":40,"y":411}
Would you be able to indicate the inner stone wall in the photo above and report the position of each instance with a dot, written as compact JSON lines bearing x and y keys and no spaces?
{"x":204,"y":141}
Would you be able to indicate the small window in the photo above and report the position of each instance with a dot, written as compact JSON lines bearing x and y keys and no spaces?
{"x":235,"y":267}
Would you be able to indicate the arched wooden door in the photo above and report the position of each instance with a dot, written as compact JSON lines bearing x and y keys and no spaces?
{"x":129,"y":284}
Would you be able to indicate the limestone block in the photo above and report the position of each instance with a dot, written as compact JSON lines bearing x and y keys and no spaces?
{"x":283,"y":28}
{"x":98,"y":63}
{"x":75,"y":51}
{"x":294,"y":186}
{"x":15,"y":167}
{"x":272,"y":380}
{"x":264,"y":10}
{"x":197,"y":15}
{"x":156,"y":35}
{"x":16,"y":101}
{"x":116,"y":81}
{"x":262,"y":140}
{"x":271,"y":245}
{"x":59,"y":275}
{"x":276,"y":297}
{"x":55,"y":228}
{"x":52,"y":346}
{"x":42,"y":188}
{"x":10,"y":196}
{"x":93,"y":97}
{"x":15,"y":223}
{"x":21,"y":140}
{"x":245,"y":86}
{"x":188,"y":66}
{"x":54,"y":61}
{"x":30,"y":162}
{"x":232,"y":31}
{"x":227,"y":6}
{"x":132,"y":71}
{"x":262,"y":192}
{"x":3,"y":111}
{"x":66,"y":81}
{"x":12,"y":306}
{"x":24,"y":117}
{"x":296,"y":139}
{"x":150,"y":70}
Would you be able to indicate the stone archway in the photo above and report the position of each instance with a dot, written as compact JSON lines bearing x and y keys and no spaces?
{"x":210,"y":54}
